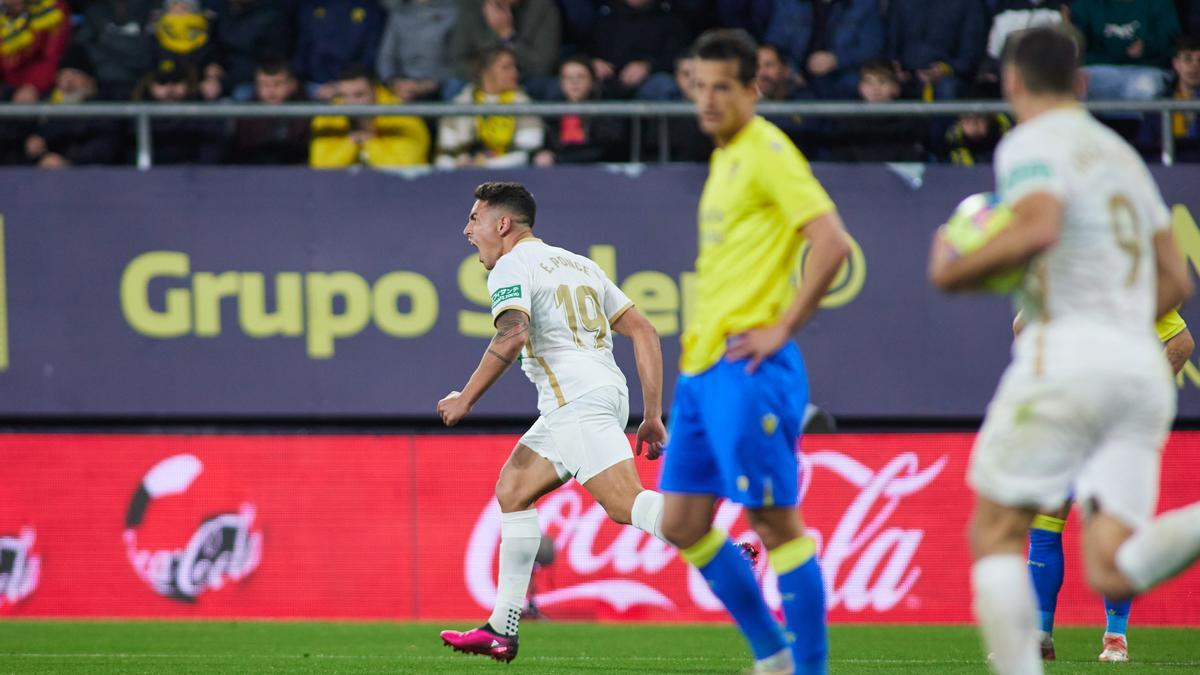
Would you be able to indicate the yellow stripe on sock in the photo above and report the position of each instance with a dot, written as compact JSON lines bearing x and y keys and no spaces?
{"x":792,"y":554}
{"x":1048,"y":523}
{"x":702,"y":552}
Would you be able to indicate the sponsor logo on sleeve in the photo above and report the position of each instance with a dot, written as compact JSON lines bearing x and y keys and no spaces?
{"x":506,"y":293}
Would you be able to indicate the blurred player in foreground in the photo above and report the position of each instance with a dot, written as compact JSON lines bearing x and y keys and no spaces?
{"x":741,"y":397}
{"x":555,"y":311}
{"x":1046,"y":538}
{"x":1088,"y":398}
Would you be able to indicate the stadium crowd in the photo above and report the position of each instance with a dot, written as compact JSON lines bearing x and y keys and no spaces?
{"x":513,"y":51}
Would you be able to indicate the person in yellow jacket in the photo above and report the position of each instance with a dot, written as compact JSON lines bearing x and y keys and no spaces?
{"x":385,"y":141}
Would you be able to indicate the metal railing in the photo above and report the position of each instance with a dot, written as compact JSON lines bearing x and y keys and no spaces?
{"x":142,"y":113}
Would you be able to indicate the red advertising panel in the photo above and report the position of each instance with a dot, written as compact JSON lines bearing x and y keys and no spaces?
{"x":405,"y":527}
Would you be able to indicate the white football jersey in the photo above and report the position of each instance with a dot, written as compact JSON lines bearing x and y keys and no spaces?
{"x":1091,"y":297}
{"x":571,"y":305}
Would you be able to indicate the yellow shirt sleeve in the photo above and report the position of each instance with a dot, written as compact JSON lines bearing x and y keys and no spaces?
{"x":787,"y":179}
{"x":1170,"y":325}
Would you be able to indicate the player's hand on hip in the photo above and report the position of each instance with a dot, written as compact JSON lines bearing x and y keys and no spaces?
{"x":453,"y":408}
{"x":653,"y":435}
{"x":757,"y":345}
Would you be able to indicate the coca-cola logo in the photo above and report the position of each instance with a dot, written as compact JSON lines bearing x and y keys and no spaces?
{"x":225,"y":547}
{"x":868,"y":562}
{"x":20,"y":567}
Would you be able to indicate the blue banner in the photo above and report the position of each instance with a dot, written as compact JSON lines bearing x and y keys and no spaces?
{"x":235,"y":292}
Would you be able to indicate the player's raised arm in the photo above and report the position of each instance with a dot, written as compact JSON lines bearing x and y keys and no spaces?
{"x":648,"y":353}
{"x":512,"y":327}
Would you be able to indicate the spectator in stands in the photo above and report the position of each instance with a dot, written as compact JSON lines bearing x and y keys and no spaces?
{"x":35,"y":35}
{"x":936,"y":48}
{"x":180,"y":140}
{"x":332,"y":35}
{"x":60,"y":142}
{"x":530,"y":29}
{"x":878,"y":139}
{"x":778,"y":82}
{"x":574,"y":139}
{"x":119,"y":39}
{"x":635,"y":46}
{"x":827,"y":40}
{"x":183,"y":31}
{"x":685,"y":141}
{"x":973,"y":138}
{"x":249,"y":32}
{"x":1128,"y":44}
{"x":1012,"y":16}
{"x":775,"y":78}
{"x":272,"y":140}
{"x":380,"y":142}
{"x":492,"y":140}
{"x":1185,"y":126}
{"x":414,"y":57}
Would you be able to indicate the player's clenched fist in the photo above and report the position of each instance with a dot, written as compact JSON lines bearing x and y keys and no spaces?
{"x":653,"y":436}
{"x":453,"y":408}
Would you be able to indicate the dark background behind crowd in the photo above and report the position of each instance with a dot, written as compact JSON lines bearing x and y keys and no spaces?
{"x":515,"y":51}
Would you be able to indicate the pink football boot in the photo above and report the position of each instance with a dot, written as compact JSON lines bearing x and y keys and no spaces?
{"x":482,"y":641}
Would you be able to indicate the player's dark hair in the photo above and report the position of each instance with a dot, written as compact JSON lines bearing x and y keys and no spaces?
{"x":1047,"y":58}
{"x":730,"y":44}
{"x":512,"y":197}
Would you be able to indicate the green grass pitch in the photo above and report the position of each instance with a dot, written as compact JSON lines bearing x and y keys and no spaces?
{"x":100,"y":647}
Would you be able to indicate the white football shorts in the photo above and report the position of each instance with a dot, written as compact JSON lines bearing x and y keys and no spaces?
{"x":585,"y":436}
{"x":1101,"y":432}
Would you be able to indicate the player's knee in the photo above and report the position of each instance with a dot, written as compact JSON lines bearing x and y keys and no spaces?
{"x":995,"y":537}
{"x":681,"y":534}
{"x":620,"y":514}
{"x":775,"y":529}
{"x":1105,"y":578}
{"x":510,"y":496}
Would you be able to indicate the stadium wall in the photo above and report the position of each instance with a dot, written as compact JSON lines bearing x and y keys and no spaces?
{"x":405,"y":527}
{"x":229,"y":293}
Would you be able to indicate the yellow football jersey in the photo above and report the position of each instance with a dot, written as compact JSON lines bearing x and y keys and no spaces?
{"x":759,"y":193}
{"x":1170,"y":325}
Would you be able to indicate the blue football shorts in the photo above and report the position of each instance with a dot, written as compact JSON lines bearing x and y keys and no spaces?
{"x":735,"y":435}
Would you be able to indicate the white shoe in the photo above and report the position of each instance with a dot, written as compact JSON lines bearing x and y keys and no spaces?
{"x":779,"y":663}
{"x":1116,"y":648}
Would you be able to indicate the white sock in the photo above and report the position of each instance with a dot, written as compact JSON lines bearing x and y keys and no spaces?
{"x":1161,"y":549}
{"x":647,"y":511}
{"x":1006,"y":610}
{"x":520,"y":537}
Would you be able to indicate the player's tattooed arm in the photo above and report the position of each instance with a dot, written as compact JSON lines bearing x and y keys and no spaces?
{"x":512,"y":330}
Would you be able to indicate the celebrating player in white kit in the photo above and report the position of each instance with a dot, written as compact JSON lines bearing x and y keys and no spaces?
{"x":1088,"y":398}
{"x":555,"y":311}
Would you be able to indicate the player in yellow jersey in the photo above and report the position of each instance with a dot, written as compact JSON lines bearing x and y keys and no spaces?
{"x":740,"y":398}
{"x":1046,"y":564}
